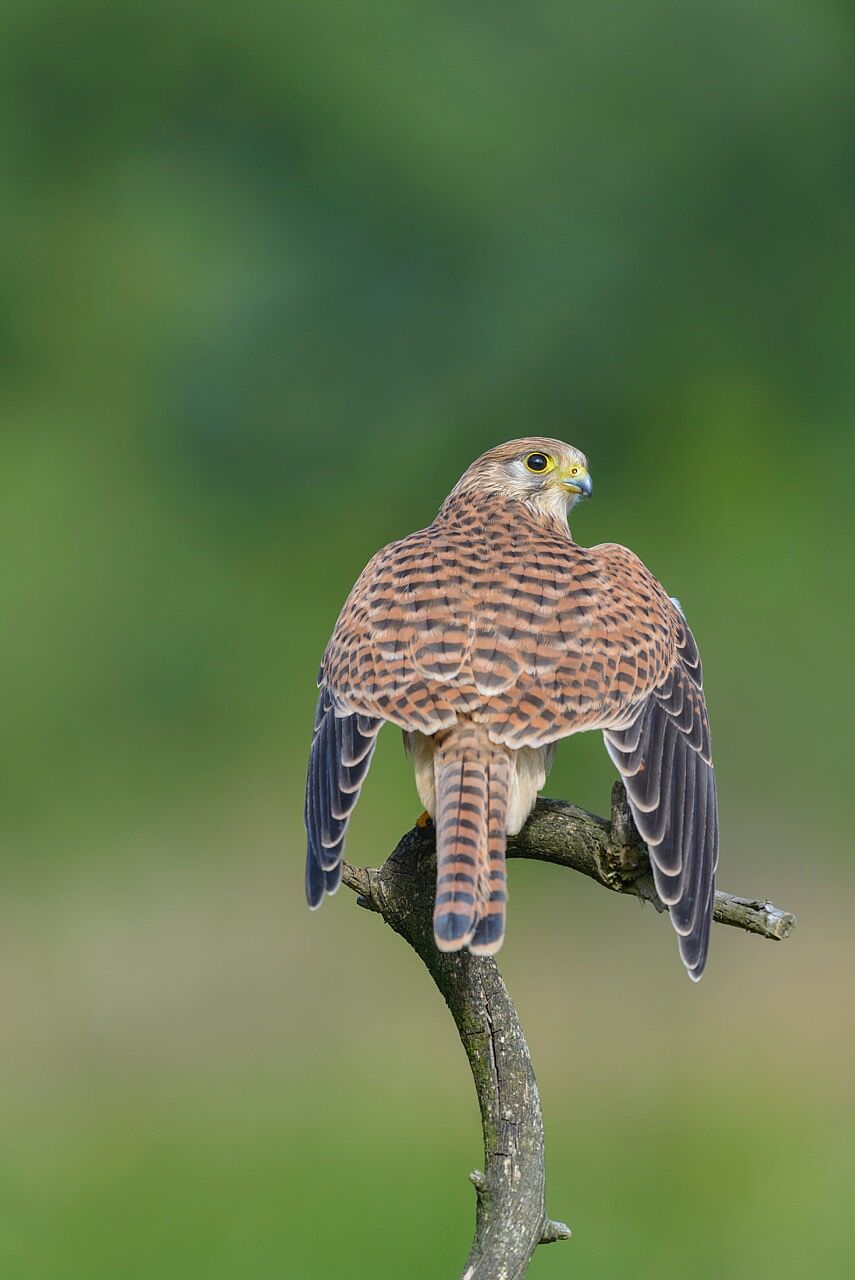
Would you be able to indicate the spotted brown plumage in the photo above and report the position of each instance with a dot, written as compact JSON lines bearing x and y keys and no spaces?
{"x":487,"y":637}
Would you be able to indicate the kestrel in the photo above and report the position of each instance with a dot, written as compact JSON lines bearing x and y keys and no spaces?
{"x":486,"y":638}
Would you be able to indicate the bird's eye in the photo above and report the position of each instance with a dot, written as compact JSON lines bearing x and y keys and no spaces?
{"x":537,"y":462}
{"x":574,"y":471}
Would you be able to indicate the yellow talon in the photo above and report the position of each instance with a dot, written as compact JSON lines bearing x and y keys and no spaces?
{"x":423,"y":819}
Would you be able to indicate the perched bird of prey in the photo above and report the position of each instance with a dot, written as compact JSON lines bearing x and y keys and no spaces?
{"x":486,"y":638}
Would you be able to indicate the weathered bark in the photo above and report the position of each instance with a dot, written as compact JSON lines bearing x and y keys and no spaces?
{"x":511,"y":1218}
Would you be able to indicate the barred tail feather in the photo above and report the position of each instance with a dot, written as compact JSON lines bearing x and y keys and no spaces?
{"x":472,"y":789}
{"x":490,"y":930}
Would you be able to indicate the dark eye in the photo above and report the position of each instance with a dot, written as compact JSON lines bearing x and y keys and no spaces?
{"x":537,"y":462}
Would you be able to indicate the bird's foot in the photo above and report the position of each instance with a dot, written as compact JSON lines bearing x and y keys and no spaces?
{"x":424,"y":819}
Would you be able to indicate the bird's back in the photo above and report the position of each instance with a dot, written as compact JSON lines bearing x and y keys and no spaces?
{"x":491,"y":615}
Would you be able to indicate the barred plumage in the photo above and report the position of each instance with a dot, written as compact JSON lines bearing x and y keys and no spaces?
{"x":472,"y":784}
{"x":489,"y":636}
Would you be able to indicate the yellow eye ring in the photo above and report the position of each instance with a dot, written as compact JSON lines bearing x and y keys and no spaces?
{"x":538,"y":463}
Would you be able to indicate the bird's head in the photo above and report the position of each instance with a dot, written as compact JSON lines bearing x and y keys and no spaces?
{"x":549,"y":476}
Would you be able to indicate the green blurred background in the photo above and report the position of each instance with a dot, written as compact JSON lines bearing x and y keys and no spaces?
{"x":272,"y":275}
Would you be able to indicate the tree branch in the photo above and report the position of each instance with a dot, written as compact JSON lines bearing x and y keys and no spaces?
{"x":613,"y":854}
{"x":511,"y":1218}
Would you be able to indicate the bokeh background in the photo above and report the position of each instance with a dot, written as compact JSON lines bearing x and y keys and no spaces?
{"x":271,"y":276}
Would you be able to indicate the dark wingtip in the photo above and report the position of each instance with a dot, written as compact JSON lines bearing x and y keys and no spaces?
{"x":694,"y":947}
{"x":314,"y":880}
{"x":332,"y":789}
{"x":320,"y":880}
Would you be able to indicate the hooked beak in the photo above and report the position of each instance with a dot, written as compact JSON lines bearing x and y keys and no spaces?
{"x":580,"y":483}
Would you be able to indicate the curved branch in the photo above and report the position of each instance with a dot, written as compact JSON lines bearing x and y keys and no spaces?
{"x":511,"y":1219}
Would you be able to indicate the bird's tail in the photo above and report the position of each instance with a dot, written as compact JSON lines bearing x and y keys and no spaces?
{"x":473,"y":779}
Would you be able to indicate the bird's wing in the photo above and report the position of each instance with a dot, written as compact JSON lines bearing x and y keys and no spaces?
{"x":398,"y":644}
{"x":588,"y":631}
{"x":342,"y":747}
{"x":600,"y":645}
{"x":665,"y":759}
